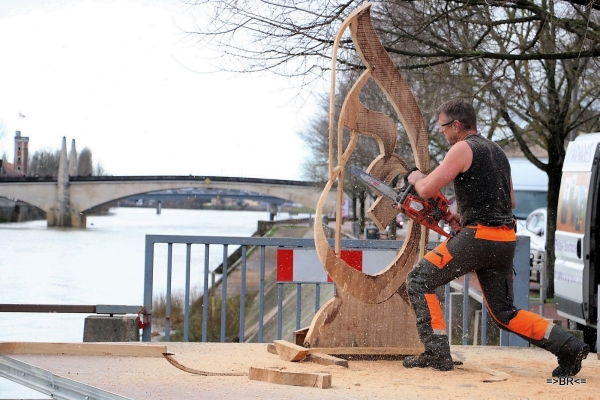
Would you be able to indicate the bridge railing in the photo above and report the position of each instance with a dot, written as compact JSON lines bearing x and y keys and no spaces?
{"x":261,"y":246}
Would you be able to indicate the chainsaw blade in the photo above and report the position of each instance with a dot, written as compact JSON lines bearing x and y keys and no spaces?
{"x":374,"y":183}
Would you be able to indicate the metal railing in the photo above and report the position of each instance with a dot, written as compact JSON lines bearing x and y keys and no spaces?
{"x":538,"y":263}
{"x":521,"y":289}
{"x":246,"y":244}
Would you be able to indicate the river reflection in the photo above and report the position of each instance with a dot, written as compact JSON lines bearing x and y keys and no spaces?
{"x":103,"y":264}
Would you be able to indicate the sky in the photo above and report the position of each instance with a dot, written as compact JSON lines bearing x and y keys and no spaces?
{"x":121,"y":78}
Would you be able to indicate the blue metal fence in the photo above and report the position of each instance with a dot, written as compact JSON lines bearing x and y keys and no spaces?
{"x":521,"y":285}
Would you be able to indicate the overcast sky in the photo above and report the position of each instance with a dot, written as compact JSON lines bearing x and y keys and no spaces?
{"x":122,"y":79}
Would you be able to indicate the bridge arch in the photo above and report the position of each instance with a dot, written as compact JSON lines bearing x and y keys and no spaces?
{"x":66,"y":205}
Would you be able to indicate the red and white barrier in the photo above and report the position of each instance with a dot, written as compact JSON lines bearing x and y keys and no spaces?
{"x":304,"y":266}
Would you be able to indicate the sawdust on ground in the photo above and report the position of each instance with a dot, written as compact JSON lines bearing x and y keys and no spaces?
{"x":487,"y":372}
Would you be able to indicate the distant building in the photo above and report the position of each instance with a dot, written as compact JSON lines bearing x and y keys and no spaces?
{"x":21,"y":153}
{"x":7,"y":169}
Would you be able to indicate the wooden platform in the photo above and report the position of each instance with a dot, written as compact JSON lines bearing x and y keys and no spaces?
{"x":488,"y":372}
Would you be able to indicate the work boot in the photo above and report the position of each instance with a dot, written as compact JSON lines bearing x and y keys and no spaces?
{"x":436,"y":355}
{"x":570,"y":356}
{"x":569,"y":350}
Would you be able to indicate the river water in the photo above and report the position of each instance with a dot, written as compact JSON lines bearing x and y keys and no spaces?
{"x":103,"y":264}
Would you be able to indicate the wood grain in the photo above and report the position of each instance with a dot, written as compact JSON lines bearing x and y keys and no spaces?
{"x":289,"y":351}
{"x":96,"y":349}
{"x":370,"y":310}
{"x":271,"y":375}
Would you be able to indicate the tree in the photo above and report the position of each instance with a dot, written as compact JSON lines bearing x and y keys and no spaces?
{"x":44,"y":163}
{"x":530,"y":66}
{"x":85,"y":166}
{"x":99,"y":170}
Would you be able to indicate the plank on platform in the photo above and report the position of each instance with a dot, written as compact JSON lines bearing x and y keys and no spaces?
{"x":289,"y":351}
{"x":322,"y":381}
{"x":88,"y":348}
{"x":292,"y":352}
{"x":323,"y":359}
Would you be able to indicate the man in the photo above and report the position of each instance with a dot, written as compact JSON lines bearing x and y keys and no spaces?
{"x":485,"y":243}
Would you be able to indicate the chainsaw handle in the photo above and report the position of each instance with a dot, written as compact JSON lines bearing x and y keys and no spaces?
{"x":410,"y":171}
{"x":406,"y":190}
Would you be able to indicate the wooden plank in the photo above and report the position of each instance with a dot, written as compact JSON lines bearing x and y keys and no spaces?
{"x":97,"y":349}
{"x":317,"y":358}
{"x":326,"y":359}
{"x":289,"y":351}
{"x":321,"y":381}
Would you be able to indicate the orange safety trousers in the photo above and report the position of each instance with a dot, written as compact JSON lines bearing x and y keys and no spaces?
{"x":487,"y":251}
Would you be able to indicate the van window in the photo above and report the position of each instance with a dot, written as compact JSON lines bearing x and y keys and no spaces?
{"x":527,"y":201}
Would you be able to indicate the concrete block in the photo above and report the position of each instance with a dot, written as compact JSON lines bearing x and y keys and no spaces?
{"x":104,"y":328}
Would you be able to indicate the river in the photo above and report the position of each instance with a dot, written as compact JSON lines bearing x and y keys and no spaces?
{"x":103,"y":264}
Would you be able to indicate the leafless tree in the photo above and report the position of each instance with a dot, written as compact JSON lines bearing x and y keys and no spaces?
{"x":44,"y":163}
{"x":530,"y":66}
{"x":99,"y":170}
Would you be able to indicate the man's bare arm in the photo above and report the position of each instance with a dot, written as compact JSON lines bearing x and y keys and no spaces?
{"x":458,"y":160}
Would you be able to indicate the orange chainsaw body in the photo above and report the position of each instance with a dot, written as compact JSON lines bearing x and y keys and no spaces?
{"x":428,"y":212}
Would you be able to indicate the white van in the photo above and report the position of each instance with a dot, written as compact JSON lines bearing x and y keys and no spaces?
{"x":577,"y":242}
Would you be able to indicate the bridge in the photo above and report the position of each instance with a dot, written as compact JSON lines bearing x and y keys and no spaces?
{"x":66,"y":199}
{"x":208,"y":195}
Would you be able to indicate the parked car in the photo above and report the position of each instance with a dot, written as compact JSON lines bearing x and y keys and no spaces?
{"x":535,"y":228}
{"x":530,"y":185}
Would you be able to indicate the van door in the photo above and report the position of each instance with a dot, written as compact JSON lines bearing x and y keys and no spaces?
{"x":578,"y":197}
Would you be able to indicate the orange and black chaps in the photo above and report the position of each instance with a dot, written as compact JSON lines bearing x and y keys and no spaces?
{"x":489,"y":252}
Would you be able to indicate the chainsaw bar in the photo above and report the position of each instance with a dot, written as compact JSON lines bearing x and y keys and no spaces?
{"x":374,"y":183}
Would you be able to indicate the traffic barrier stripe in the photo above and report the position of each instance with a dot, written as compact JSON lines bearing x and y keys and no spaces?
{"x":304,"y":266}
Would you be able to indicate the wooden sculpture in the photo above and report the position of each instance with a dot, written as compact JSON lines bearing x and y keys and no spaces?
{"x":370,"y":310}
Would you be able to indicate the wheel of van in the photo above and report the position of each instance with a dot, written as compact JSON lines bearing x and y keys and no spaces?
{"x":589,"y":334}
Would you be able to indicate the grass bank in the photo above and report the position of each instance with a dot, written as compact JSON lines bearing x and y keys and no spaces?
{"x":232,"y":329}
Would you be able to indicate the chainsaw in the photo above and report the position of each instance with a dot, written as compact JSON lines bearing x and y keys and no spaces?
{"x":427,"y":212}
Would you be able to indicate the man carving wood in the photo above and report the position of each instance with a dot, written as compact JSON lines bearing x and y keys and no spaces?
{"x":485,"y":244}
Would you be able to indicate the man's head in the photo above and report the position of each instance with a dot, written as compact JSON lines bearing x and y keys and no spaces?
{"x":459,"y":110}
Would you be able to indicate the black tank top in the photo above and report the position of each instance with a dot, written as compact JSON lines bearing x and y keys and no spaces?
{"x":483,"y":191}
